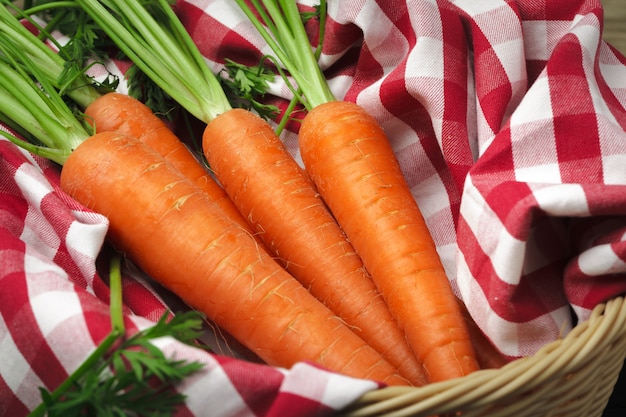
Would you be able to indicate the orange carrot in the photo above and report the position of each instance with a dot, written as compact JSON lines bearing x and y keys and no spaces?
{"x":349,"y":157}
{"x":188,"y":80}
{"x":184,"y":241}
{"x":165,"y":224}
{"x":281,"y":203}
{"x":115,"y":112}
{"x":167,"y":54}
{"x":125,"y":114}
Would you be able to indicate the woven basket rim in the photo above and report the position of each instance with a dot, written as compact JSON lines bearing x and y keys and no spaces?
{"x":605,"y":328}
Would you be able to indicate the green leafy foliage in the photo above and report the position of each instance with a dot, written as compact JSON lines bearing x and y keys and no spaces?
{"x":315,"y":14}
{"x":135,"y":379}
{"x":245,"y":87}
{"x":141,"y":87}
{"x":88,"y":43}
{"x":86,"y":40}
{"x":127,"y":375}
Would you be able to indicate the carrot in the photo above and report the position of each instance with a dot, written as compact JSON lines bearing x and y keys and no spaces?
{"x":115,"y":112}
{"x":282,"y":204}
{"x":181,"y":238}
{"x":349,"y":158}
{"x":111,"y":111}
{"x":261,"y":178}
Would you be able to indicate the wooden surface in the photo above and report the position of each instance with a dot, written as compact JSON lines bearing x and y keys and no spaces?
{"x":615,"y":23}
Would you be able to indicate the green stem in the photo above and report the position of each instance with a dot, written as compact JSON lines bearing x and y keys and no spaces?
{"x":287,"y":37}
{"x":283,"y":121}
{"x":37,"y":110}
{"x":164,"y":51}
{"x":115,"y":285}
{"x":30,"y":10}
{"x":85,"y":367}
{"x":45,"y":152}
{"x":117,"y":331}
{"x":322,"y":31}
{"x":50,"y":64}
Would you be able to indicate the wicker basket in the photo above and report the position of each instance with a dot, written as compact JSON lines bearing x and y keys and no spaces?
{"x":571,"y":377}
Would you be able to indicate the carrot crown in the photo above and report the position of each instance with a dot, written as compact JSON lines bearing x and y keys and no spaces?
{"x":163,"y":50}
{"x":280,"y":24}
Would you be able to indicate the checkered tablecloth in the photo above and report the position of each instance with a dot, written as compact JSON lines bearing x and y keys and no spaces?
{"x":509,"y":121}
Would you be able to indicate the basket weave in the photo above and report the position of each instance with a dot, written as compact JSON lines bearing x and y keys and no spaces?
{"x":571,"y":377}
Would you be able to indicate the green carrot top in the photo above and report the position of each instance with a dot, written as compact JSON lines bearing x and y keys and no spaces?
{"x":162,"y":48}
{"x":50,"y":64}
{"x":152,"y":37}
{"x":280,"y":24}
{"x":33,"y":107}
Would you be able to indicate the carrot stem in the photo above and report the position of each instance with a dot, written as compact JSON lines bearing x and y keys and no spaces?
{"x":164,"y":51}
{"x":284,"y":32}
{"x":117,"y":331}
{"x":49,"y":63}
{"x":43,"y":115}
{"x":115,"y":289}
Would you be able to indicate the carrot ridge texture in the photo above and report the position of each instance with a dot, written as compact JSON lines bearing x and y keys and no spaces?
{"x":116,"y":112}
{"x":183,"y":240}
{"x":285,"y":210}
{"x":348,"y":156}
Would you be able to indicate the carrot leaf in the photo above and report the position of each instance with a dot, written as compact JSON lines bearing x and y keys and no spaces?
{"x":135,"y":378}
{"x":246,"y":86}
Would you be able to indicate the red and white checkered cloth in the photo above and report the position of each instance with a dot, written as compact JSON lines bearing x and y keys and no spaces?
{"x":509,"y":120}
